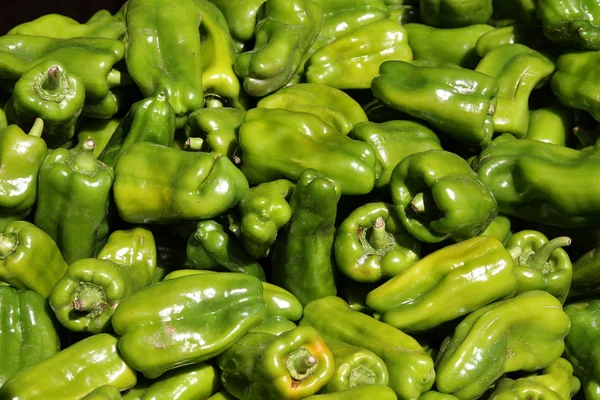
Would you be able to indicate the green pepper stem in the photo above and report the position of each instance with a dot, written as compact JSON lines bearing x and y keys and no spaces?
{"x":360,"y":376}
{"x":379,"y":238}
{"x":8,"y":244}
{"x":213,"y":102}
{"x":417,"y":205}
{"x":194,"y":143}
{"x":515,"y":252}
{"x":51,"y":82}
{"x":118,"y":78}
{"x":423,"y":205}
{"x":89,"y":298}
{"x":542,"y":255}
{"x":52,"y":85}
{"x":300,"y":364}
{"x":85,"y":160}
{"x":37,"y":128}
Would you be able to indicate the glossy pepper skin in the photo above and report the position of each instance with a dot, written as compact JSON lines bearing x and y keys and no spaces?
{"x":553,"y":124}
{"x":217,"y":127}
{"x":86,"y":297}
{"x":49,"y":92}
{"x":371,"y":244}
{"x":366,"y":392}
{"x":284,"y":34}
{"x":332,"y":105}
{"x":21,"y":156}
{"x":164,"y":51}
{"x":455,"y":13}
{"x":200,"y":185}
{"x":559,"y":378}
{"x":500,"y":228}
{"x":518,"y":70}
{"x":150,"y":120}
{"x":523,"y":333}
{"x":541,"y":264}
{"x":73,"y":196}
{"x":274,"y":326}
{"x":27,"y":331}
{"x":224,"y":307}
{"x":73,"y":372}
{"x":104,"y":392}
{"x":457,"y":101}
{"x":302,"y":255}
{"x":410,"y":368}
{"x":571,"y":23}
{"x":264,"y":210}
{"x":393,"y":141}
{"x":29,"y":258}
{"x":586,"y":275}
{"x":528,"y":35}
{"x":511,"y":169}
{"x":309,"y":142}
{"x":509,"y":389}
{"x":100,"y":130}
{"x":472,"y":273}
{"x":241,"y":16}
{"x":437,"y":196}
{"x":192,"y":382}
{"x":293,"y":365}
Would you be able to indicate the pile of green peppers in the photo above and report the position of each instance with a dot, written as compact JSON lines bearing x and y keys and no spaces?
{"x":302,"y":199}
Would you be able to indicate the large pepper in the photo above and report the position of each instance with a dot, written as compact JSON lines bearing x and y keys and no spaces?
{"x":283,"y":36}
{"x":445,"y":285}
{"x":335,"y":64}
{"x":186,"y":320}
{"x":217,"y":127}
{"x":293,"y":365}
{"x":457,"y":101}
{"x":553,"y":124}
{"x":98,"y":129}
{"x":518,"y":70}
{"x":241,"y":17}
{"x":437,"y":196}
{"x":410,"y":368}
{"x":366,"y":392}
{"x":371,"y":244}
{"x":393,"y":141}
{"x":309,"y":142}
{"x":586,"y":275}
{"x":574,"y":23}
{"x":73,"y":372}
{"x":455,"y":13}
{"x":523,"y":333}
{"x":302,"y":255}
{"x":264,"y":210}
{"x":193,"y":382}
{"x":21,"y":156}
{"x":541,"y":264}
{"x":161,"y":184}
{"x":73,"y":195}
{"x":164,"y":51}
{"x":27,"y":331}
{"x":86,"y":297}
{"x":29,"y":258}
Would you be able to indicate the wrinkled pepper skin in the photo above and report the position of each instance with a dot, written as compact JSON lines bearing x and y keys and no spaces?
{"x":586,"y":275}
{"x":283,"y":36}
{"x":393,"y":141}
{"x":523,"y":333}
{"x":366,"y":392}
{"x":523,"y":175}
{"x":302,"y":255}
{"x":522,"y":389}
{"x":335,"y":64}
{"x":150,"y":120}
{"x":199,"y":185}
{"x":446,"y":46}
{"x":553,"y":124}
{"x":410,"y":368}
{"x":541,"y":264}
{"x":473,"y":273}
{"x":193,"y":382}
{"x":104,"y":392}
{"x":371,"y":244}
{"x":164,"y":51}
{"x":457,"y":101}
{"x":21,"y":156}
{"x":241,"y":16}
{"x":293,"y":365}
{"x":27,"y":331}
{"x":500,"y":228}
{"x":100,"y":130}
{"x":154,"y":337}
{"x":73,"y":372}
{"x":332,"y":105}
{"x":29,"y":258}
{"x":518,"y":70}
{"x":311,"y":143}
{"x":264,"y":210}
{"x":558,"y":377}
{"x":437,"y":196}
{"x":217,"y":127}
{"x":86,"y":297}
{"x":573,"y":23}
{"x":455,"y":13}
{"x":530,"y":36}
{"x":73,"y":197}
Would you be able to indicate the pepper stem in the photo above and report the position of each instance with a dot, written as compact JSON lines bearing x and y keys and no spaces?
{"x":85,"y":160}
{"x":52,"y":84}
{"x":423,"y":205}
{"x":89,"y":298}
{"x":360,"y":376}
{"x":379,"y":238}
{"x":8,"y":244}
{"x":542,"y":255}
{"x":213,"y":102}
{"x":52,"y":81}
{"x":37,"y":128}
{"x":300,"y":364}
{"x":194,"y":143}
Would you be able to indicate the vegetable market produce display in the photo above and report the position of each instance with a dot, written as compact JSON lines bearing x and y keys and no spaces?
{"x":302,"y":199}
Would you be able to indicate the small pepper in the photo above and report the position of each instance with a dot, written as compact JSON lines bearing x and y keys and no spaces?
{"x":217,"y":127}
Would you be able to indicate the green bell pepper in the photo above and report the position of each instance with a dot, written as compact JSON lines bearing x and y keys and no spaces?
{"x":455,"y":13}
{"x":573,"y":23}
{"x":241,"y":17}
{"x":29,"y":258}
{"x":552,"y":124}
{"x":500,"y":228}
{"x":522,"y":389}
{"x":104,"y":392}
{"x":73,"y":197}
{"x":302,"y":255}
{"x":73,"y":372}
{"x":457,"y":101}
{"x":186,"y":320}
{"x":366,"y":392}
{"x":161,"y":184}
{"x":217,"y":127}
{"x":371,"y":244}
{"x":523,"y":333}
{"x":586,"y":275}
{"x":21,"y":156}
{"x":115,"y":102}
{"x":27,"y":331}
{"x":193,"y":382}
{"x":274,"y":326}
{"x":558,"y":377}
{"x":293,"y":365}
{"x":514,"y":12}
{"x":164,"y":51}
{"x":530,"y":36}
{"x":309,"y":142}
{"x":100,"y":130}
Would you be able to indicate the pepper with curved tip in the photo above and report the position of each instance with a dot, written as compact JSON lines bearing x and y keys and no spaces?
{"x":104,"y":392}
{"x":553,"y":124}
{"x":192,"y":382}
{"x":294,"y":365}
{"x":574,"y":23}
{"x":455,"y":13}
{"x":217,"y":127}
{"x":241,"y":16}
{"x":524,"y":333}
